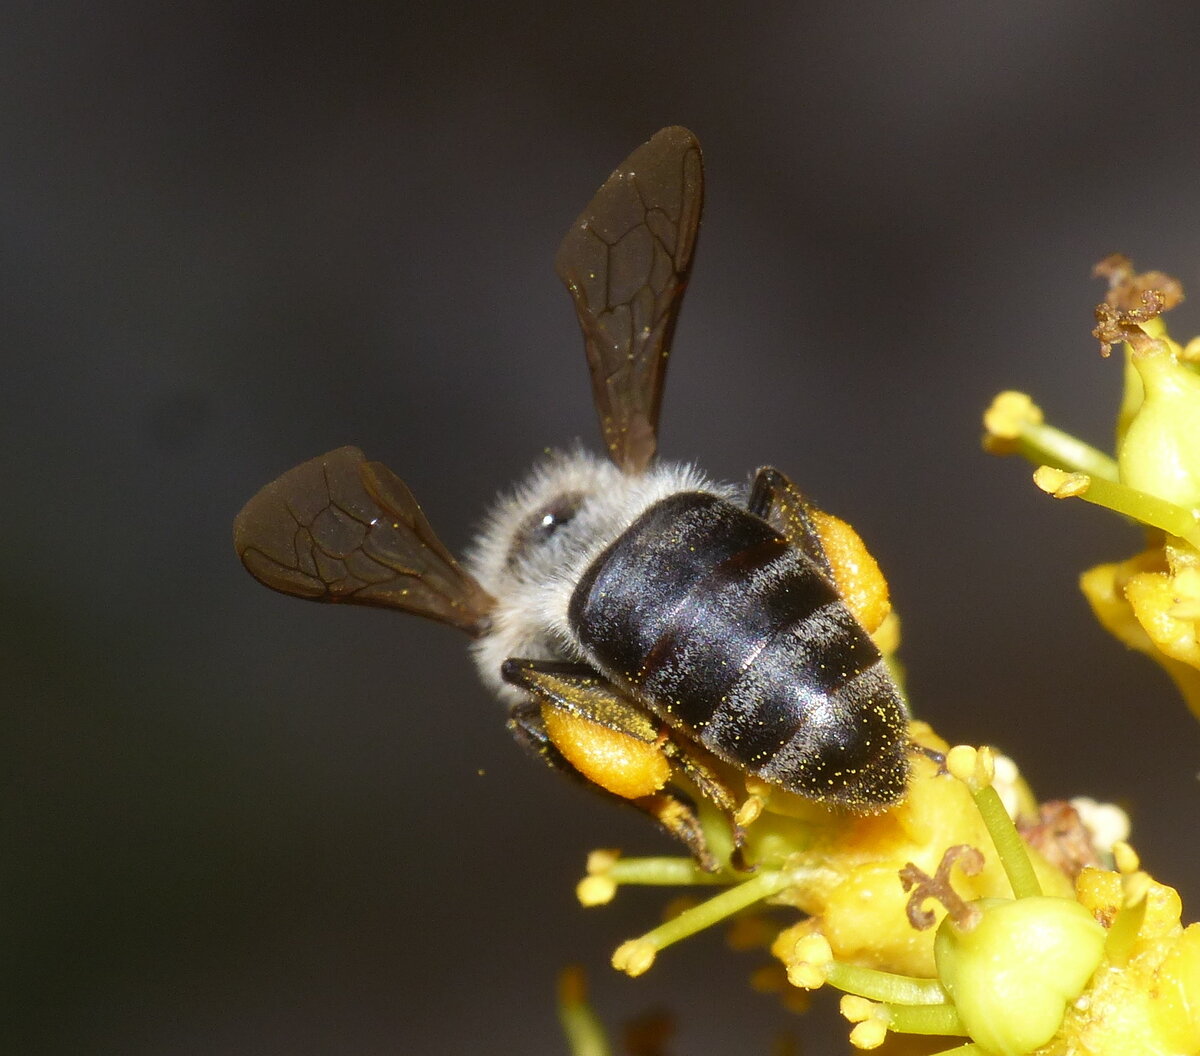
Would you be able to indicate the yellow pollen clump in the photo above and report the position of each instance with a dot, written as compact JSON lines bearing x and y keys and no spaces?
{"x":615,"y":761}
{"x":634,"y":957}
{"x":595,"y":890}
{"x":859,"y":579}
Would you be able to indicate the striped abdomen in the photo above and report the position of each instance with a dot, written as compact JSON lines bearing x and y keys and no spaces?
{"x":708,"y":616}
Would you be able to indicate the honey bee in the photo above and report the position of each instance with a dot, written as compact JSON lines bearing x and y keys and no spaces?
{"x":652,"y":632}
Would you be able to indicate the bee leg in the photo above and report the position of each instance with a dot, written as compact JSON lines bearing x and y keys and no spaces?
{"x":713,"y":789}
{"x":932,"y":754}
{"x":676,"y":813}
{"x":579,"y":723}
{"x":673,"y":810}
{"x":525,"y":724}
{"x":829,"y":542}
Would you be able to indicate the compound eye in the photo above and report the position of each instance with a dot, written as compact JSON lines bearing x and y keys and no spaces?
{"x":542,"y":525}
{"x":557,"y":515}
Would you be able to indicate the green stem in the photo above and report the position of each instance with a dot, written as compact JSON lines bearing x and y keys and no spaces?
{"x":716,"y":909}
{"x":875,"y":985}
{"x":585,"y":1035}
{"x":1044,"y":444}
{"x":1118,"y":944}
{"x":925,"y":1019}
{"x":1008,"y":843}
{"x":1141,"y":506}
{"x":1149,"y":509}
{"x":666,"y":872}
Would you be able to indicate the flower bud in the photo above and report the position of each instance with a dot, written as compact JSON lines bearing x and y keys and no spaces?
{"x":1012,"y":975}
{"x":1160,"y":451}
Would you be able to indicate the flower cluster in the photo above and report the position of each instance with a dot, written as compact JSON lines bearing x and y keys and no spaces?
{"x":971,"y":911}
{"x":941,"y":916}
{"x":1150,"y":601}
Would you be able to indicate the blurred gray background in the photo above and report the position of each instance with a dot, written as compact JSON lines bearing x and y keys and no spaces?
{"x":236,"y":235}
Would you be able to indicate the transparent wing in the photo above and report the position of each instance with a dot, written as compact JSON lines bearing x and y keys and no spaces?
{"x":626,"y":262}
{"x":778,"y":501}
{"x":340,"y":528}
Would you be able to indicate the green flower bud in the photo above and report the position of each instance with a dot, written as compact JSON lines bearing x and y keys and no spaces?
{"x":1160,"y":451}
{"x":1012,"y":975}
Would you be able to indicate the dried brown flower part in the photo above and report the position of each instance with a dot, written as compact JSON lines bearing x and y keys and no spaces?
{"x":937,"y":887}
{"x":1061,"y":837}
{"x":1127,"y":288}
{"x":1125,"y":324}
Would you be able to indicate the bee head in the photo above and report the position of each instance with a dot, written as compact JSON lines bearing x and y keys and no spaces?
{"x":540,"y":538}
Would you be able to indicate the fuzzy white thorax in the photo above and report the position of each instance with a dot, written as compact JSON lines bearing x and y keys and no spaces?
{"x":532,"y":576}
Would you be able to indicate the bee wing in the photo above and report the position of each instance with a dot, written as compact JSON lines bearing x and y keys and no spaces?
{"x":626,"y":262}
{"x":340,"y":528}
{"x":778,"y":501}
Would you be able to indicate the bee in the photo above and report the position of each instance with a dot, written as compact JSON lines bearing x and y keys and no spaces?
{"x":652,"y":632}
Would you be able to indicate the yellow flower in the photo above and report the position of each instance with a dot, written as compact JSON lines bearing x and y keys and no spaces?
{"x":1145,"y":996}
{"x":1030,"y":955}
{"x":1151,"y":601}
{"x":850,"y":889}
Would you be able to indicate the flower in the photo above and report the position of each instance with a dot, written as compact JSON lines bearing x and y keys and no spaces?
{"x":1150,"y":601}
{"x":1023,"y":958}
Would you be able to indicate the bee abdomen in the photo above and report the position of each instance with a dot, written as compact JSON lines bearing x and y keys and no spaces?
{"x":708,"y":615}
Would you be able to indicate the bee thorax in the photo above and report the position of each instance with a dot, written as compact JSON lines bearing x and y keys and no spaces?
{"x":540,"y":540}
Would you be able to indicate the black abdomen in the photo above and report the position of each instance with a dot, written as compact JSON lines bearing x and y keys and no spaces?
{"x":710,"y":618}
